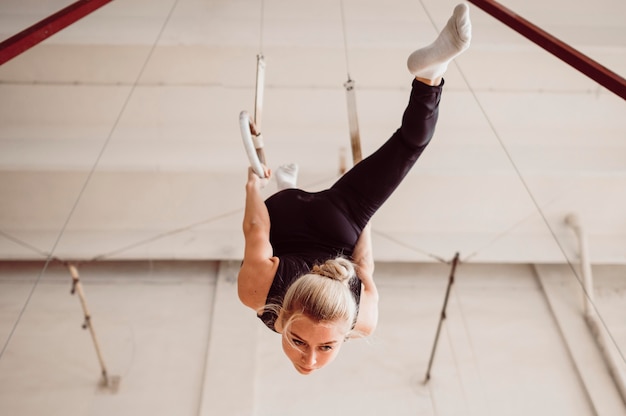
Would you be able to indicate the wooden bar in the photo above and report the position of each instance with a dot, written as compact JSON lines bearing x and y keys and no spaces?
{"x":26,"y":39}
{"x":561,"y":50}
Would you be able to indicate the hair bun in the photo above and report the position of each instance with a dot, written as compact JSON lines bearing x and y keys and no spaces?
{"x":339,"y":269}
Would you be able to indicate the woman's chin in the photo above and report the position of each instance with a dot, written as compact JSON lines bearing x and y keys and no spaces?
{"x":303,"y":370}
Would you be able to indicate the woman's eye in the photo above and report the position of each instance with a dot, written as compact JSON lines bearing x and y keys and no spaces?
{"x":298,"y":342}
{"x":326,"y":348}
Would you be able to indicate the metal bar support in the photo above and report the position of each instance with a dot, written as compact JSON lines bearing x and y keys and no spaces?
{"x":88,"y":324}
{"x":355,"y":137}
{"x":455,"y":261}
{"x":561,"y":50}
{"x":258,"y":106}
{"x":598,"y":329}
{"x":42,"y":30}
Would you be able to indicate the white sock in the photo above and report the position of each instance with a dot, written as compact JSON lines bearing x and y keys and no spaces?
{"x":287,"y":176}
{"x":432,"y":61}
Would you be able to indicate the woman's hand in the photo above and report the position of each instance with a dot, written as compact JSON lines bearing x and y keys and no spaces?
{"x":256,"y":182}
{"x":363,"y":258}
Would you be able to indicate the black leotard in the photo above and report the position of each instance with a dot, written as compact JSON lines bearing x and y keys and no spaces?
{"x":310,"y":228}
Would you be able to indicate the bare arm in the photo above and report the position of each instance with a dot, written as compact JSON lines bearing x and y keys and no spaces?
{"x":259,"y":264}
{"x":363,"y":258}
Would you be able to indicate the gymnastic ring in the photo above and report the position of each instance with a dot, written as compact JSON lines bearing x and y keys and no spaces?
{"x":248,"y":144}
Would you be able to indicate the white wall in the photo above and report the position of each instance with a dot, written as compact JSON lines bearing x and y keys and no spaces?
{"x":181,"y":343}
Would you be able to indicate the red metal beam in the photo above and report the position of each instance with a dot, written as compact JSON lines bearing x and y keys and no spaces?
{"x":566,"y":53}
{"x":38,"y":32}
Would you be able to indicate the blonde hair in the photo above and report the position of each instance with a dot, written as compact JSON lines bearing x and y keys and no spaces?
{"x":323,"y":295}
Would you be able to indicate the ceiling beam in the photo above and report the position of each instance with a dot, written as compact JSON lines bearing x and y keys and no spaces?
{"x":561,"y":50}
{"x":26,"y":39}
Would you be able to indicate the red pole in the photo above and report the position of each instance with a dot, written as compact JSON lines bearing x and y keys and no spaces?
{"x":28,"y":38}
{"x":564,"y":52}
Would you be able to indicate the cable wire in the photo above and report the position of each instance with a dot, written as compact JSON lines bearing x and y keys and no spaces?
{"x":24,"y":244}
{"x":50,"y":256}
{"x":530,"y":194}
{"x":345,"y":38}
{"x":544,"y":218}
{"x":261,"y":27}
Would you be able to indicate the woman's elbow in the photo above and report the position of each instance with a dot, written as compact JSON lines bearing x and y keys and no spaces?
{"x":363,"y":330}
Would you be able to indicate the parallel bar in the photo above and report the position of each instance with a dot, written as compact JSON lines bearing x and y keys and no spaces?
{"x":564,"y":52}
{"x":26,"y":39}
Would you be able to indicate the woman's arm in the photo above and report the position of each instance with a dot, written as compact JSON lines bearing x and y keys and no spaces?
{"x":259,"y":264}
{"x":363,"y":258}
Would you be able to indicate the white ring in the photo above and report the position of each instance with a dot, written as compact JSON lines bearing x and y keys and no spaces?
{"x":248,"y":144}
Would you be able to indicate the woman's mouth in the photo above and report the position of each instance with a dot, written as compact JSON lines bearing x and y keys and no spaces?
{"x":304,"y":370}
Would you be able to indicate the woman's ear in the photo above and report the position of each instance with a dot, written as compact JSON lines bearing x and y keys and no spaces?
{"x":278,"y":324}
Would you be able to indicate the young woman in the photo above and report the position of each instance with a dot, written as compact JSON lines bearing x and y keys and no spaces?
{"x":308,"y":266}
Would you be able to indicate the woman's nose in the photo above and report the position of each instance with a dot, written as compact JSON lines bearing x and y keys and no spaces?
{"x":309,"y":358}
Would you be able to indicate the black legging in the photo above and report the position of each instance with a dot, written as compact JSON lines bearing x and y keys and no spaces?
{"x":327,"y":223}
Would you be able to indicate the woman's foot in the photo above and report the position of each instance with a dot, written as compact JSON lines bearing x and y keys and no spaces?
{"x":287,"y":176}
{"x":431,"y":62}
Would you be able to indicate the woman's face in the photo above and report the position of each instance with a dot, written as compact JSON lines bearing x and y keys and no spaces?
{"x":311,"y":345}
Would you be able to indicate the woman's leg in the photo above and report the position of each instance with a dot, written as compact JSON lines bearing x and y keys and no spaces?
{"x":332,"y":220}
{"x":431,"y":62}
{"x":363,"y":189}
